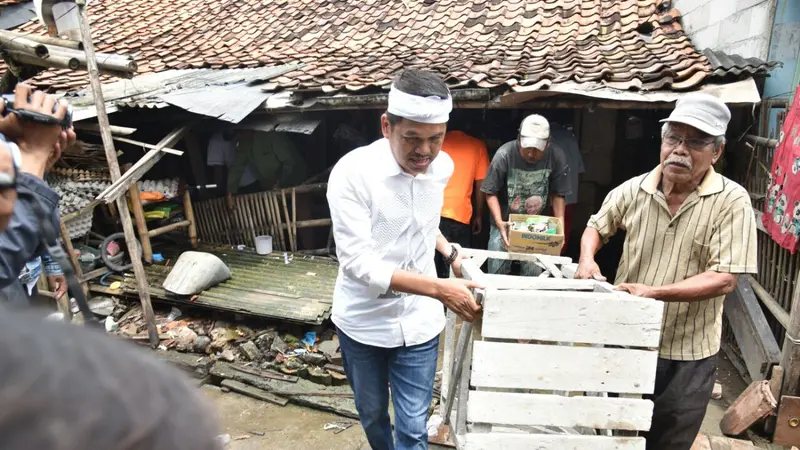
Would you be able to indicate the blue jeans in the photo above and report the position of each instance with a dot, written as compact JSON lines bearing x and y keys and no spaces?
{"x":410,"y":372}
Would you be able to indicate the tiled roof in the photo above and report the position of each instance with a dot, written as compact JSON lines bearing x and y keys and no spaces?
{"x":349,"y":46}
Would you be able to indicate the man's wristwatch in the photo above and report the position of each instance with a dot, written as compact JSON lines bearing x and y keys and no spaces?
{"x":449,"y":260}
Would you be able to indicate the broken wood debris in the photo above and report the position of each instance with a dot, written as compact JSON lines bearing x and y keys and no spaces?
{"x":254,"y":392}
{"x":755,"y":403}
{"x":704,"y":442}
{"x":335,"y":399}
{"x":265,"y":373}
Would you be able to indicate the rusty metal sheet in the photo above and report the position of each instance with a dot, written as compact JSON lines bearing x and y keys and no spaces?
{"x":787,"y":427}
{"x":296,"y":288}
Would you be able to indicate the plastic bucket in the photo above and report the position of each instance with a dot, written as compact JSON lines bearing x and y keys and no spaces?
{"x":263,"y":245}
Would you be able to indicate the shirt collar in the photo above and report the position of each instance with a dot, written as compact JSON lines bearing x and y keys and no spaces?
{"x":711,"y":184}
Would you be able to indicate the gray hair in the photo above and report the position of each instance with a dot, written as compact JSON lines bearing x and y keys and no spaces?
{"x":719,"y":141}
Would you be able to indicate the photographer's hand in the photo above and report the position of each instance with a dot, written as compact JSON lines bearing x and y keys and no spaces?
{"x":41,"y":145}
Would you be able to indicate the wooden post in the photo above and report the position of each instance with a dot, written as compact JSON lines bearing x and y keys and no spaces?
{"x":113,"y":166}
{"x":188,"y":210}
{"x":141,"y":222}
{"x":63,"y":302}
{"x":790,"y":354}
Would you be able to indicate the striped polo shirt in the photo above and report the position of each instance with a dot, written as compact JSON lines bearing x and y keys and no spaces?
{"x":714,"y":230}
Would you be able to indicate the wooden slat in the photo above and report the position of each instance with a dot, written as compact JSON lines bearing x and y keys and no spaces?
{"x":591,"y":318}
{"x":754,"y":338}
{"x":547,"y":284}
{"x":509,"y":441}
{"x":561,"y":368}
{"x":505,"y":408}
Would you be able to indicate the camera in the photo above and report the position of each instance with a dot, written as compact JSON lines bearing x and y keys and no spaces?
{"x":23,"y":114}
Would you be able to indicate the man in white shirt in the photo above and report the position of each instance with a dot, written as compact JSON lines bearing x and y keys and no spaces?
{"x":385,"y":200}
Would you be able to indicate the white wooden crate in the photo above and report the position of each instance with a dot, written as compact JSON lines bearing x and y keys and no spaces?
{"x":545,"y":357}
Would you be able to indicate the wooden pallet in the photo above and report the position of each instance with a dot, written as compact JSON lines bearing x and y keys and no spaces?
{"x":554,"y":363}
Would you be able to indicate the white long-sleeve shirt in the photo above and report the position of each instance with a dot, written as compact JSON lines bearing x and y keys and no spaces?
{"x":385,"y":219}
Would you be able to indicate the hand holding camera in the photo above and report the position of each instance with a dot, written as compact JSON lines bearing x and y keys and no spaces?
{"x":40,"y":125}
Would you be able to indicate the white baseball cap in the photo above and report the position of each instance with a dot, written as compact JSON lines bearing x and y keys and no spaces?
{"x":702,"y":111}
{"x":534,"y":132}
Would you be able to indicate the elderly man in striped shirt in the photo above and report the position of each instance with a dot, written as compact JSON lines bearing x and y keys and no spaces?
{"x":690,"y":232}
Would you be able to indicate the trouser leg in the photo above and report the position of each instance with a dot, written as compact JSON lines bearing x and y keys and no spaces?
{"x":411,"y":373}
{"x":683,"y":390}
{"x":367,"y":369}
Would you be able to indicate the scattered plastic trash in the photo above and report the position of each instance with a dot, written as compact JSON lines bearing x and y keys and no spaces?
{"x":433,"y":425}
{"x":311,"y":274}
{"x":116,"y":285}
{"x":158,"y":257}
{"x":174,"y":313}
{"x":310,"y":338}
{"x":241,"y":247}
{"x":338,"y":426}
{"x":111,"y":325}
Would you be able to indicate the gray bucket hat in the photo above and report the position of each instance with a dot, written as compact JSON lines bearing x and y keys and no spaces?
{"x":702,"y":111}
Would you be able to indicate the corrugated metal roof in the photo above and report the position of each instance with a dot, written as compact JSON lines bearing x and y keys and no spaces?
{"x":225,"y":94}
{"x":264,"y":286}
{"x":724,"y":65}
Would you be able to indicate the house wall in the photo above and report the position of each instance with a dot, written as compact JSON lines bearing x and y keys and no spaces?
{"x":740,"y":27}
{"x":784,"y":47}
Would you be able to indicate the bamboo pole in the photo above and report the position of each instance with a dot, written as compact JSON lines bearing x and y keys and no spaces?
{"x":47,"y":40}
{"x":294,"y":213}
{"x":188,"y":210}
{"x":273,"y":197}
{"x":63,"y":302}
{"x":168,"y":228}
{"x":23,"y":45}
{"x":113,"y":165}
{"x":264,"y":197}
{"x":292,"y":240}
{"x":141,"y":222}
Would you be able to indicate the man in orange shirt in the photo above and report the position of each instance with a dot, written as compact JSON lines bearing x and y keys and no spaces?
{"x":459,"y":220}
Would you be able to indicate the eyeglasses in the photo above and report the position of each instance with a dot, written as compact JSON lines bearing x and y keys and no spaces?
{"x":691,"y":143}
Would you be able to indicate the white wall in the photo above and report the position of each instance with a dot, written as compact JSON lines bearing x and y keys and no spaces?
{"x":741,"y":27}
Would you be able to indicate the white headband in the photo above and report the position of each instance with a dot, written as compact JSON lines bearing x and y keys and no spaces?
{"x":419,"y":109}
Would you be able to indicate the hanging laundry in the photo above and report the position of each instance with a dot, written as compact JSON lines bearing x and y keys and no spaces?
{"x":782,"y":209}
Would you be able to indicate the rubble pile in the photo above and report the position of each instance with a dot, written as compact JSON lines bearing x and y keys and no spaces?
{"x":315,"y":357}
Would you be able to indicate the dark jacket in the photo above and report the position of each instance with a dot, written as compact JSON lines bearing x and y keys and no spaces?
{"x":21,"y":241}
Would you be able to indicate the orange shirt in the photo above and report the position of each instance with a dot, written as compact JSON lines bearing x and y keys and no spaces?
{"x":471,"y":161}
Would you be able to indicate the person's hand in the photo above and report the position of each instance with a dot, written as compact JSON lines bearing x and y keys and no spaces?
{"x":503,"y":227}
{"x":7,"y":196}
{"x":65,"y":141}
{"x":589,"y":270}
{"x":639,"y":290}
{"x":58,"y":285}
{"x":231,"y":205}
{"x":456,"y":296}
{"x":456,"y":265}
{"x":37,"y":142}
{"x":477,"y":225}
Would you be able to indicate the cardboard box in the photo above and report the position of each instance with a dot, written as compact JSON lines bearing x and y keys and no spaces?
{"x":529,"y":242}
